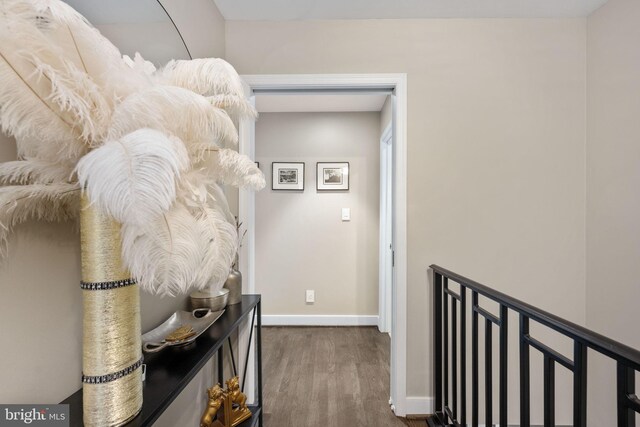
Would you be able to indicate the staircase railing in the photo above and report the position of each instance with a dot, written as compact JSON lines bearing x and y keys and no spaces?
{"x":450,"y":358}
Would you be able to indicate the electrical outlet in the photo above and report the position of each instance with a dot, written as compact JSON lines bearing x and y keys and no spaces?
{"x":310,"y":297}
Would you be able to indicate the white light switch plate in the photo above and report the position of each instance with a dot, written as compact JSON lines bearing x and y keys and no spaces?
{"x":310,"y":296}
{"x":346,"y":214}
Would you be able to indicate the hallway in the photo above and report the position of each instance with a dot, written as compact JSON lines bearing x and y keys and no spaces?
{"x":327,"y":376}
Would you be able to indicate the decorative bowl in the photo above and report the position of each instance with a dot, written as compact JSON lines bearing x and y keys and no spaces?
{"x":213,"y":300}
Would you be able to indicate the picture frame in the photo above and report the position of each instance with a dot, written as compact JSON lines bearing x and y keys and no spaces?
{"x":287,"y":176}
{"x":332,"y":176}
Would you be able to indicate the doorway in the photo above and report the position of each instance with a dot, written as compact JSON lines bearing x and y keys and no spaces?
{"x":398,"y":301}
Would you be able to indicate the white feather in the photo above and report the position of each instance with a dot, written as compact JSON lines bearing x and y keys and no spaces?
{"x":231,"y":168}
{"x":198,"y":188}
{"x":134,"y":178}
{"x":35,"y":171}
{"x":174,"y":110}
{"x":83,"y":44}
{"x":178,"y":251}
{"x":221,"y":251}
{"x":213,"y":77}
{"x":236,"y":106}
{"x":204,"y":76}
{"x":50,"y":104}
{"x":46,"y":202}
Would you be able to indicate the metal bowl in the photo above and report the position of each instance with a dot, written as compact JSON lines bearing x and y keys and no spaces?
{"x":214,"y":300}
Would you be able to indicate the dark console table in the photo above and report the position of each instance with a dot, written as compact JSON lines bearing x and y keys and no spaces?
{"x":170,"y":370}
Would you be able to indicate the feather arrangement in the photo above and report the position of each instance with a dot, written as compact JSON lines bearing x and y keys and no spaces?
{"x":149,"y":147}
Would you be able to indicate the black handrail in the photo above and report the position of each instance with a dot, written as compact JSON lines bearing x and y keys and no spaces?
{"x":447,"y":300}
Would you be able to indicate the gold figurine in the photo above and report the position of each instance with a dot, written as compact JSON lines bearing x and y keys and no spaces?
{"x":237,"y":406}
{"x":216,"y":400}
{"x":226,"y":408}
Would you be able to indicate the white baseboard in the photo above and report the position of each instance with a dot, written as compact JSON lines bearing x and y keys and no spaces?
{"x":418,"y":405}
{"x":318,"y":320}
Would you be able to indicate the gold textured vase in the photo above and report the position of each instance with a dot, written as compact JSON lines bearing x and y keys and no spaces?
{"x":112,"y":353}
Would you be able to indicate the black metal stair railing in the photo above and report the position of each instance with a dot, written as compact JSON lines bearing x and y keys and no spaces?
{"x":450,"y":358}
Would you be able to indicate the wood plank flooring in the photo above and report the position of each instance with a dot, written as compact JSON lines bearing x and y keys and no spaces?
{"x":326,"y":376}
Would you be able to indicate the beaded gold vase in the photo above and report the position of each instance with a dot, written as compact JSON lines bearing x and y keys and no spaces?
{"x":112,"y":353}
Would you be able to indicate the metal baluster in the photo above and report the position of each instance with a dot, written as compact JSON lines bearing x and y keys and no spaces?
{"x":463,"y":355}
{"x":579,"y":384}
{"x":445,"y":310}
{"x":488,"y":378}
{"x":626,"y":386}
{"x":504,"y":336}
{"x":525,"y":373}
{"x":474,"y":360}
{"x":454,"y":358}
{"x":438,"y":338}
{"x":549,"y":392}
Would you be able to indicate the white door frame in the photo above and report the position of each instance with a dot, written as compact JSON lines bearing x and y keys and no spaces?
{"x":246,"y":202}
{"x":385,"y":270}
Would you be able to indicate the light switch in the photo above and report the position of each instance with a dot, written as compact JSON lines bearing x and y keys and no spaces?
{"x":346,"y":214}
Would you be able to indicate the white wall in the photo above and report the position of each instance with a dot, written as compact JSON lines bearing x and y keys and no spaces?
{"x":301,"y":241}
{"x":613,"y":183}
{"x":496,"y":141}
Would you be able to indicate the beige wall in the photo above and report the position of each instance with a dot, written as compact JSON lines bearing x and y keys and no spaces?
{"x":301,"y":241}
{"x":496,"y":135}
{"x":157,"y":42}
{"x":201,"y":24}
{"x":613,"y":183}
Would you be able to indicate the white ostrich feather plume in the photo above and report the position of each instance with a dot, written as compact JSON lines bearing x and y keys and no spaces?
{"x":198,"y":188}
{"x":214,"y":78}
{"x":231,"y":168}
{"x":50,"y":103}
{"x":28,"y":112}
{"x":178,"y":251}
{"x":204,"y":76}
{"x":134,"y":178}
{"x":46,"y":202}
{"x":35,"y":171}
{"x":87,"y":48}
{"x":223,"y":238}
{"x":173,"y":110}
{"x":236,"y":106}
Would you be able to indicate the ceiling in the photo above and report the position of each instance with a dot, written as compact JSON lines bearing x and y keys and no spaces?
{"x":319,"y":102}
{"x":291,"y":10}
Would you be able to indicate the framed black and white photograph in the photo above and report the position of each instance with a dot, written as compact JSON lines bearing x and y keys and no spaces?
{"x":332,"y":176}
{"x":287,"y":176}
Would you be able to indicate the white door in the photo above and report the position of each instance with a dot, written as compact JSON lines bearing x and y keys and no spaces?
{"x":386,"y":231}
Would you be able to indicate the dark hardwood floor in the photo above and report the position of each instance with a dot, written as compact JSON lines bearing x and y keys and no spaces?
{"x":325,"y":376}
